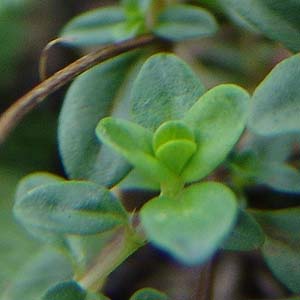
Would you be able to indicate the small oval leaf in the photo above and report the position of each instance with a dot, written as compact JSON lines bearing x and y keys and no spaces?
{"x":193,"y":225}
{"x":275,"y":105}
{"x":72,"y":207}
{"x":218,"y":119}
{"x":164,"y":89}
{"x":89,"y":99}
{"x":96,"y":27}
{"x":181,"y":22}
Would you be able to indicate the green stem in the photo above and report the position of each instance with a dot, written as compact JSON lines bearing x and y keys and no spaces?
{"x":121,"y":247}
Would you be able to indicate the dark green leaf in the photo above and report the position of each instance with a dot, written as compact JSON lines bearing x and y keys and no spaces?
{"x":45,"y":269}
{"x":275,"y":106}
{"x":218,"y":118}
{"x":148,"y":294}
{"x":98,"y":93}
{"x":68,"y":290}
{"x":72,"y":207}
{"x":284,"y":261}
{"x":96,"y":27}
{"x":35,"y":180}
{"x":247,"y":234}
{"x":96,"y":296}
{"x":164,"y":90}
{"x":277,"y":19}
{"x":192,"y":225}
{"x":282,"y":247}
{"x":181,"y":22}
{"x":279,"y":176}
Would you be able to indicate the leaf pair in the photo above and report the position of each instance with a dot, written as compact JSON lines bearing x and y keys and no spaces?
{"x":165,"y":90}
{"x":116,"y":23}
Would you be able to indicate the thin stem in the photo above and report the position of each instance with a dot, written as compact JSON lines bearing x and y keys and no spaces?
{"x":44,"y":57}
{"x":14,"y":114}
{"x":117,"y":251}
{"x":205,"y":290}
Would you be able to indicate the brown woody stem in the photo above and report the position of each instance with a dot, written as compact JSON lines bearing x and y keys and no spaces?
{"x":14,"y":114}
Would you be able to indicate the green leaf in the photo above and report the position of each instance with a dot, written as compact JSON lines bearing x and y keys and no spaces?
{"x":89,"y":99}
{"x":35,"y":180}
{"x":282,"y":247}
{"x":284,"y":261}
{"x":279,"y":176}
{"x":45,"y":269}
{"x":218,"y":119}
{"x":135,"y":144}
{"x":277,"y":19}
{"x":137,"y":180}
{"x":281,"y":224}
{"x":164,"y":89}
{"x":247,"y":234}
{"x":275,"y":105}
{"x":96,"y":27}
{"x":181,"y":22}
{"x":193,"y":225}
{"x":148,"y":294}
{"x":96,"y":296}
{"x":69,"y":290}
{"x":173,"y":143}
{"x":72,"y":207}
{"x":27,"y":184}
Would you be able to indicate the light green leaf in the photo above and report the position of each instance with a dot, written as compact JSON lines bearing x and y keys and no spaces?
{"x":218,"y":119}
{"x":247,"y":234}
{"x":96,"y":296}
{"x":164,"y":90}
{"x":277,"y":19}
{"x":96,"y":27}
{"x":72,"y":207}
{"x":100,"y":92}
{"x":148,"y":294}
{"x":193,"y":225}
{"x":173,"y":143}
{"x":136,"y":180}
{"x":275,"y":105}
{"x":68,"y":290}
{"x":45,"y":269}
{"x":181,"y":22}
{"x":135,"y":144}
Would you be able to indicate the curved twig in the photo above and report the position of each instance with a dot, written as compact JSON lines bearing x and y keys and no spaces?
{"x":13,"y":115}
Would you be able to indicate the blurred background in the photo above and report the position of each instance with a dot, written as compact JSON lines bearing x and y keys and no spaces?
{"x":236,"y":55}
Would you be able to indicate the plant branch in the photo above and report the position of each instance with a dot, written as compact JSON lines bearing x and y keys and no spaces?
{"x":14,"y":114}
{"x":117,"y":251}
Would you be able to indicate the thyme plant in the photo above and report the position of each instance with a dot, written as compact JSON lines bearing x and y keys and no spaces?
{"x":145,"y":120}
